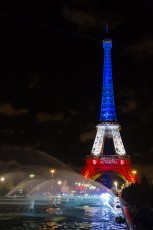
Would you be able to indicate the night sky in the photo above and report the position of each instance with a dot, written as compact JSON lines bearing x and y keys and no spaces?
{"x":51,"y":76}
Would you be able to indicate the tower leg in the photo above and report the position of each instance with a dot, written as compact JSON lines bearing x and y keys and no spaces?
{"x":98,"y":143}
{"x":118,"y":144}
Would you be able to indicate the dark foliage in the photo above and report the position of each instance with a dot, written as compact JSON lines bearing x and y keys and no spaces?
{"x":138,"y":194}
{"x":140,"y":200}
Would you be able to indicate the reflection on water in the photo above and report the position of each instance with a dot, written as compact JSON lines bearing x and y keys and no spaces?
{"x":51,"y":210}
{"x":44,"y":218}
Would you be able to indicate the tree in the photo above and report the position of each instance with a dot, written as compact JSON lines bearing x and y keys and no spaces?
{"x":138,"y":194}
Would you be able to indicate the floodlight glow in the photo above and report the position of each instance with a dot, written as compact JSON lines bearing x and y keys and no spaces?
{"x":105,"y":196}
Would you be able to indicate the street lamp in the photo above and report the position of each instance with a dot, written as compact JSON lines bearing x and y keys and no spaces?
{"x":52,"y":172}
{"x":31,"y":175}
{"x":2,"y":179}
{"x":115,"y":183}
{"x":122,"y":186}
{"x":31,"y":183}
{"x":59,"y":182}
{"x":134,"y":172}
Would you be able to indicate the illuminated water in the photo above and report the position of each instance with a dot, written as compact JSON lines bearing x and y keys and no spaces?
{"x":86,"y":212}
{"x":94,"y":217}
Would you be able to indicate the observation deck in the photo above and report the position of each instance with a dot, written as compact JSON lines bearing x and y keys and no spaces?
{"x":108,"y":160}
{"x":101,"y":157}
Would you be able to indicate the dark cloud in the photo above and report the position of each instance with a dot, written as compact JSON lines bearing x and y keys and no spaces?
{"x":129,"y":106}
{"x":8,"y":131}
{"x":84,"y":3}
{"x":141,"y":49}
{"x":145,"y":116}
{"x":34,"y":83}
{"x":44,"y":117}
{"x":82,"y":19}
{"x":12,"y":163}
{"x":133,"y":102}
{"x":87,"y":136}
{"x":90,"y":19}
{"x":130,"y":93}
{"x":74,"y":113}
{"x":7,"y":109}
{"x":130,"y":101}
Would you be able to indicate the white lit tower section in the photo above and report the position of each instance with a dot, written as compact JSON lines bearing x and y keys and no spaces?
{"x":108,"y":127}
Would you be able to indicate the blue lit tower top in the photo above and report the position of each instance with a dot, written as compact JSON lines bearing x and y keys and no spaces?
{"x":108,"y":112}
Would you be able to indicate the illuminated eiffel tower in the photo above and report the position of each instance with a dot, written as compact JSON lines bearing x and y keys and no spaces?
{"x":101,"y":162}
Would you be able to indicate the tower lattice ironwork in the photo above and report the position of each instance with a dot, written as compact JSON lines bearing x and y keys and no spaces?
{"x":98,"y":162}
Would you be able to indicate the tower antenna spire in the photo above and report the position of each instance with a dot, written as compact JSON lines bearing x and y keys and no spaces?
{"x":107,"y":28}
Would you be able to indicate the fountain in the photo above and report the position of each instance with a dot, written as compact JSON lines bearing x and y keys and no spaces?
{"x":62,"y":196}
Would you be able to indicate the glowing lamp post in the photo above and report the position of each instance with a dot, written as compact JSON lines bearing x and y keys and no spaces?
{"x":3,"y":188}
{"x":52,"y":172}
{"x":31,"y":175}
{"x":31,"y":184}
{"x":59,"y":182}
{"x":134,"y":173}
{"x":122,"y":186}
{"x":2,"y":179}
{"x":115,"y":183}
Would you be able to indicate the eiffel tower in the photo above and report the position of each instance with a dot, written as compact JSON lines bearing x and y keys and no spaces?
{"x":101,"y":161}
